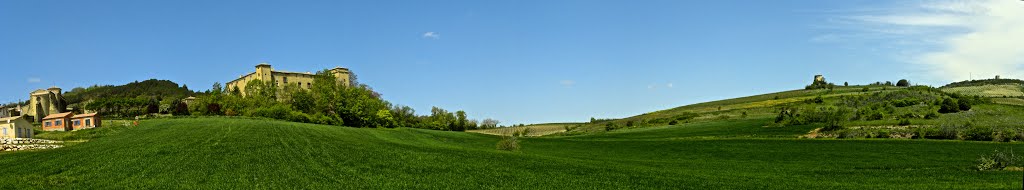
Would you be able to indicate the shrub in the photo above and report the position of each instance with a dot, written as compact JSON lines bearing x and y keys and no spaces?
{"x":875,"y":115}
{"x":673,"y":122}
{"x":964,"y":106}
{"x":817,"y":100}
{"x":931,"y":115}
{"x":610,"y":126}
{"x":213,"y":109}
{"x":997,"y":160}
{"x":629,"y":124}
{"x":949,"y":105}
{"x":903,"y":83}
{"x":884,"y":133}
{"x":508,"y":143}
{"x":904,"y":122}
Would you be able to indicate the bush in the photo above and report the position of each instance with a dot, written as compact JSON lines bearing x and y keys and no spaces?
{"x":508,"y":143}
{"x":673,"y":122}
{"x":949,"y":105}
{"x":904,"y":122}
{"x":884,"y":133}
{"x":629,"y":124}
{"x":931,"y":115}
{"x":997,"y":160}
{"x":875,"y":115}
{"x":610,"y":126}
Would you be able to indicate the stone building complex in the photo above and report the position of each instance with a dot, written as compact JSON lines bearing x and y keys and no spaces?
{"x":282,"y":78}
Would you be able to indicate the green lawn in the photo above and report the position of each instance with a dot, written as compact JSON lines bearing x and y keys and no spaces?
{"x":222,"y":153}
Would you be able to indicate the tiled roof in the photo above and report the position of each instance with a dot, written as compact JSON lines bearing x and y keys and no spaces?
{"x":58,"y":115}
{"x":8,"y":119}
{"x":84,"y":115}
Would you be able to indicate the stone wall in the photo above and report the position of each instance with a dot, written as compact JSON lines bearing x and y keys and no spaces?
{"x":16,"y":144}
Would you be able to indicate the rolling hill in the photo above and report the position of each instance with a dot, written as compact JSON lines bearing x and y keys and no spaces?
{"x":234,"y":153}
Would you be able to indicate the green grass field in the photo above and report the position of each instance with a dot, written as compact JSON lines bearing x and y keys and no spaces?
{"x":1011,"y":90}
{"x":226,"y":153}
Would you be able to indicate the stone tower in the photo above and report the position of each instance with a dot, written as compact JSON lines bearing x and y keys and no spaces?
{"x":263,"y":72}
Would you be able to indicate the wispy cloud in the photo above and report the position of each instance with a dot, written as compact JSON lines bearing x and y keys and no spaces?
{"x":432,"y":35}
{"x":670,"y":85}
{"x":950,"y":39}
{"x":567,"y":83}
{"x":34,"y":80}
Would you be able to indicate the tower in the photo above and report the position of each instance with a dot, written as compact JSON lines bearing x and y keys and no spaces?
{"x":263,"y":72}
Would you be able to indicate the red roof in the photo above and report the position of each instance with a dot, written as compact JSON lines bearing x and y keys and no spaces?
{"x":84,"y":115}
{"x":58,"y":115}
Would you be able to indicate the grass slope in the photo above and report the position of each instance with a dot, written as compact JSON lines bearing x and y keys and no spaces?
{"x":220,"y":153}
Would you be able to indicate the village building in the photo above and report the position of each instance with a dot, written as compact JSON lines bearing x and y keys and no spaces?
{"x":70,"y":122}
{"x":57,"y":122}
{"x":280,"y":79}
{"x":45,"y":102}
{"x":15,"y":127}
{"x":85,"y":121}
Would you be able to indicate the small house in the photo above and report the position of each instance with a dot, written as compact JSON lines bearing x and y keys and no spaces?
{"x":85,"y":121}
{"x":15,"y":127}
{"x":57,"y":122}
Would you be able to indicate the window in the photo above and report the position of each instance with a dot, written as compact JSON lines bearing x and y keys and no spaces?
{"x":309,"y":85}
{"x":76,"y":122}
{"x":88,"y":122}
{"x":58,"y":123}
{"x":5,"y":131}
{"x":47,"y":124}
{"x":286,"y":80}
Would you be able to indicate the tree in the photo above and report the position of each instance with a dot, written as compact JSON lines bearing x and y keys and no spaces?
{"x":260,"y":90}
{"x":846,"y":84}
{"x":216,"y":89}
{"x":235,"y":91}
{"x":903,"y":83}
{"x":461,"y":120}
{"x":153,"y":107}
{"x":180,"y":108}
{"x":303,"y":101}
{"x":489,"y":123}
{"x":888,"y":83}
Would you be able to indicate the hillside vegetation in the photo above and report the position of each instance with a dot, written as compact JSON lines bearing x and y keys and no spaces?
{"x":225,"y":153}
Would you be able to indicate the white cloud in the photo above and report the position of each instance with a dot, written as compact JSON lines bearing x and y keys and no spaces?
{"x":567,"y":83}
{"x":432,"y":35}
{"x":950,"y":39}
{"x":34,"y":80}
{"x":670,"y":85}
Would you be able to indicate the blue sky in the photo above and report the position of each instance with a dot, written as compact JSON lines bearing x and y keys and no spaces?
{"x":516,"y":61}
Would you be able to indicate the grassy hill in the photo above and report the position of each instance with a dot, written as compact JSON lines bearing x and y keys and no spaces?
{"x":223,"y":153}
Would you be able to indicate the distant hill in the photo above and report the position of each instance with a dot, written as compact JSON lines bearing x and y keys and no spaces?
{"x":983,"y":82}
{"x":149,"y":88}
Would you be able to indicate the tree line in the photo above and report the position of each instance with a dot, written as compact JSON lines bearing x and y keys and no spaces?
{"x":327,"y":102}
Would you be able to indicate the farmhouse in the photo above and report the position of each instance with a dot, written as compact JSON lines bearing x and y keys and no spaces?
{"x":45,"y":102}
{"x":57,"y":122}
{"x":85,"y":121}
{"x":70,"y":122}
{"x":282,"y":78}
{"x":15,"y":127}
